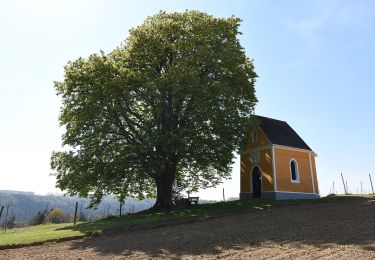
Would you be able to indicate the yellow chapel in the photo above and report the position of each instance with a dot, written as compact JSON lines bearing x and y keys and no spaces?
{"x":277,"y":164}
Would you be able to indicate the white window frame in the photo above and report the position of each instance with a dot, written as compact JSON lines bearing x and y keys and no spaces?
{"x":297,"y":180}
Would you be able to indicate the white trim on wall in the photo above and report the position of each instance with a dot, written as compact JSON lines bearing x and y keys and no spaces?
{"x":312,"y":175}
{"x":274,"y":169}
{"x":290,"y":192}
{"x":295,"y":149}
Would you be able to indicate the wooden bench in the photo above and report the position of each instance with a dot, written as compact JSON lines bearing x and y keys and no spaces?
{"x":193,"y":200}
{"x":187,"y":202}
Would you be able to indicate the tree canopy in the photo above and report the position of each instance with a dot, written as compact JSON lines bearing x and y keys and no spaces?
{"x":160,"y":114}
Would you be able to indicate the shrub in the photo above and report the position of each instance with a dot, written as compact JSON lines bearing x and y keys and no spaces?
{"x":39,"y":218}
{"x":56,"y":216}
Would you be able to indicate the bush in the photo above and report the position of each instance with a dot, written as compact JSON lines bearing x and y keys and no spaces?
{"x":39,"y":218}
{"x":10,"y":222}
{"x":56,"y":216}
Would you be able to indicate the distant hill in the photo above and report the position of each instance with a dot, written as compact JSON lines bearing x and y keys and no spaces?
{"x":25,"y":205}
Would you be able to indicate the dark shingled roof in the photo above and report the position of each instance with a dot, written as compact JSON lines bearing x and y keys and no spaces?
{"x":279,"y":132}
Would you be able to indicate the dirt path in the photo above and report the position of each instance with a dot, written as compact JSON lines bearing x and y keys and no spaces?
{"x":335,"y":230}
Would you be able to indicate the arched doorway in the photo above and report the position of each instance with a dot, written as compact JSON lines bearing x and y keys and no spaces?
{"x":256,"y":182}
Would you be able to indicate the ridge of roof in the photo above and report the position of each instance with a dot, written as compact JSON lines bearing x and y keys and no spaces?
{"x":269,"y":118}
{"x":281,"y":133}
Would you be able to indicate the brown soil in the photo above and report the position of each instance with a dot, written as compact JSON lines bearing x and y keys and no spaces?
{"x":335,"y":230}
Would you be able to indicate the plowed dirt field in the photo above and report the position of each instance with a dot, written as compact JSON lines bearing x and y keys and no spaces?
{"x":334,"y":230}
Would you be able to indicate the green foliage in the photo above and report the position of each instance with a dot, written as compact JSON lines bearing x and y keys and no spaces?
{"x":56,"y":216}
{"x":39,"y":218}
{"x":161,"y":114}
{"x":10,"y":222}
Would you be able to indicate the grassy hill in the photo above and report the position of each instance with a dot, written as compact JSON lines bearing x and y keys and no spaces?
{"x":53,"y":232}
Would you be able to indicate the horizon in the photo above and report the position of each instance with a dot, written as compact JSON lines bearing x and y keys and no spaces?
{"x":314,"y":60}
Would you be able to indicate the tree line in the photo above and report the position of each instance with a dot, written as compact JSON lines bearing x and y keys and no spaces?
{"x":26,"y":208}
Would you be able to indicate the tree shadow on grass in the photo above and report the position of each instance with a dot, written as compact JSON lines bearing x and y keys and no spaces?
{"x":320,"y":225}
{"x":150,"y":220}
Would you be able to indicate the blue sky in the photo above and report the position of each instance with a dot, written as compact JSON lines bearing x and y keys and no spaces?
{"x":315,"y":61}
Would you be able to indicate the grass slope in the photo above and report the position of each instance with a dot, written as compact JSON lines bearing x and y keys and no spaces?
{"x":40,"y":233}
{"x":50,"y":232}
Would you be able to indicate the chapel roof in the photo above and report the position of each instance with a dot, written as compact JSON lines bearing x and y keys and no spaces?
{"x":279,"y":132}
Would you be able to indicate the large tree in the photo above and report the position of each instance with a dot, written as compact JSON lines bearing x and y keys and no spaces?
{"x":164,"y":112}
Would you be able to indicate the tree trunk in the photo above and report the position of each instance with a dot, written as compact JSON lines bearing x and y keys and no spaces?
{"x":164,"y":193}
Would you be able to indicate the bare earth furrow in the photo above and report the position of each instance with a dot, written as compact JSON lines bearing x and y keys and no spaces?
{"x":335,"y":230}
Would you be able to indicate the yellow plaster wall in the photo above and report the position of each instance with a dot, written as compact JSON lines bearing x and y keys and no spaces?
{"x":262,"y":140}
{"x":265,"y":164}
{"x":245,"y":170}
{"x":266,"y":167}
{"x":283,"y":177}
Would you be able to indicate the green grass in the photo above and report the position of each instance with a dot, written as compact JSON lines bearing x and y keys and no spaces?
{"x":350,"y":196}
{"x":41,"y":233}
{"x":33,"y":234}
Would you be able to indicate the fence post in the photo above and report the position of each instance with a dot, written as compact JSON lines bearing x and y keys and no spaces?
{"x":109,"y":207}
{"x":343,"y":182}
{"x":75,"y":213}
{"x":1,"y":211}
{"x":372,"y":187}
{"x":6,"y":218}
{"x":223,"y":195}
